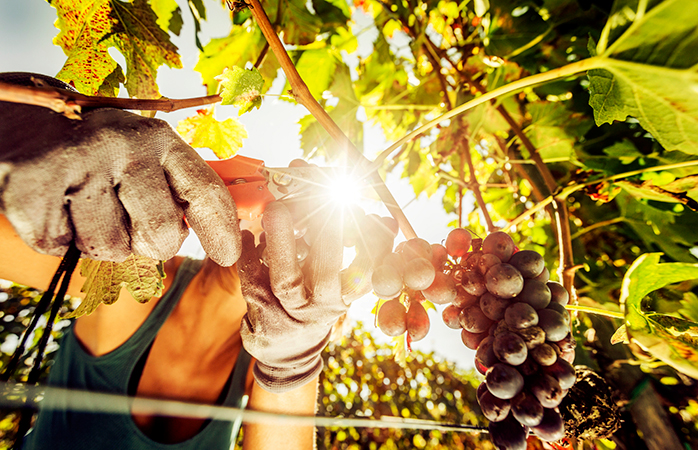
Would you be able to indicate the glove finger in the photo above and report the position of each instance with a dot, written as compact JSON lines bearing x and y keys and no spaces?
{"x":208,"y":206}
{"x":326,"y":253}
{"x":375,"y":240}
{"x":157,"y":225}
{"x":285,"y":274}
{"x":36,"y":213}
{"x":100,"y":222}
{"x":254,"y":277}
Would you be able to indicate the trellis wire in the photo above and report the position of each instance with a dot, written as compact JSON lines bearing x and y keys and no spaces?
{"x":49,"y":397}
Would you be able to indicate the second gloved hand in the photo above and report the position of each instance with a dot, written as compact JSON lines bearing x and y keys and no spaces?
{"x":291,"y":310}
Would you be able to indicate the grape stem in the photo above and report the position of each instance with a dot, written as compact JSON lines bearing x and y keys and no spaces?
{"x":597,"y":311}
{"x":305,"y":98}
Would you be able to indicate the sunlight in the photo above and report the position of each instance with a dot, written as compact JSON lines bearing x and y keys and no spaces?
{"x":344,"y":190}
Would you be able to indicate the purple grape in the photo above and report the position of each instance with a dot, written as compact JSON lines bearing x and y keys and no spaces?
{"x":391,"y":318}
{"x":520,"y":315}
{"x":528,"y":368}
{"x":451,"y":316}
{"x":417,"y":321}
{"x":458,"y":242}
{"x":510,"y":348}
{"x":439,"y":256}
{"x":416,"y":248}
{"x":499,"y":244}
{"x":481,"y":389}
{"x":508,"y":434}
{"x":387,"y":282}
{"x":532,"y":336}
{"x":563,"y":372}
{"x":547,"y":390}
{"x":493,"y":306}
{"x":527,"y":409}
{"x":493,"y":408}
{"x":463,"y":299}
{"x":503,"y":280}
{"x":504,"y":381}
{"x":544,"y":276}
{"x":558,"y":293}
{"x":561,"y":309}
{"x":473,"y":320}
{"x":442,"y":290}
{"x":554,"y":324}
{"x":396,"y":261}
{"x":484,"y":356}
{"x":535,"y":293}
{"x":486,"y":261}
{"x":470,"y":260}
{"x":528,"y":262}
{"x":473,"y":283}
{"x":472,"y":340}
{"x":567,"y":344}
{"x":544,"y":354}
{"x":551,"y":428}
{"x":419,"y":273}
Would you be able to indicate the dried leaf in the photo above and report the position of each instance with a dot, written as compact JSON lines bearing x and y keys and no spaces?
{"x":141,"y":276}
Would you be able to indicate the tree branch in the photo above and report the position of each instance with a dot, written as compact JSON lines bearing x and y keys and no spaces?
{"x":305,"y":98}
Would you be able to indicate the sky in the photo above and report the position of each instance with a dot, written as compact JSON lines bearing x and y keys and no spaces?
{"x":26,"y":33}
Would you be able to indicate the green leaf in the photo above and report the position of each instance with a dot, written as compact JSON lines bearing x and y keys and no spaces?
{"x":243,"y":45}
{"x":198,"y":13}
{"x":648,"y":191}
{"x":241,"y":87}
{"x":89,"y":28}
{"x":667,"y":338}
{"x":649,"y":72}
{"x":554,"y":129}
{"x":205,"y":131}
{"x":317,"y":68}
{"x":141,"y":276}
{"x":169,"y":15}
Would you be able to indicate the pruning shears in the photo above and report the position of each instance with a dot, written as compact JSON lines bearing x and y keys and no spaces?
{"x":253,"y":185}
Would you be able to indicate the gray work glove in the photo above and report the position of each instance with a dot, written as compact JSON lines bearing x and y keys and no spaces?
{"x":115,"y":182}
{"x":291,"y":309}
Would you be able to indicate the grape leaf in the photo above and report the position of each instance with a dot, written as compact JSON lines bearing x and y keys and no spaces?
{"x":243,"y":45}
{"x":554,"y":129}
{"x":667,"y":338}
{"x":649,"y":71}
{"x":169,"y":15}
{"x":141,"y":276}
{"x":241,"y":87}
{"x":89,"y":28}
{"x":317,"y":68}
{"x":648,"y":191}
{"x":204,"y":131}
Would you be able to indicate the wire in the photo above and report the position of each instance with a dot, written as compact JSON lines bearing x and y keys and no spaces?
{"x":48,"y":397}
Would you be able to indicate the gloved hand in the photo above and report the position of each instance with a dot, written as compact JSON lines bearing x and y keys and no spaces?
{"x":291,"y":309}
{"x":115,"y":182}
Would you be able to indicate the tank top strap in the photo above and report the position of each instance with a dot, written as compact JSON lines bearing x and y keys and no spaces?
{"x":150,"y":328}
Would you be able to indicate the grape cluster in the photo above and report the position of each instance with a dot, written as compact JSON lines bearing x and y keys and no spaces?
{"x":508,"y":311}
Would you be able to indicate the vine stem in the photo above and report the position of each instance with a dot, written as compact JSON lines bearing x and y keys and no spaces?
{"x":70,"y":103}
{"x":518,"y":85}
{"x":475,"y":186}
{"x":597,"y":311}
{"x":305,"y":98}
{"x":569,"y":190}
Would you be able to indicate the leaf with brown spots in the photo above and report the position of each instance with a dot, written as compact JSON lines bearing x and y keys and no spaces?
{"x":89,"y":28}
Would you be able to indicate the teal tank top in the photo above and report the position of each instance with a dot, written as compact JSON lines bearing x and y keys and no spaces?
{"x":61,"y":428}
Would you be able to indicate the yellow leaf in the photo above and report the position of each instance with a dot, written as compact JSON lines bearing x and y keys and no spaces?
{"x":204,"y":131}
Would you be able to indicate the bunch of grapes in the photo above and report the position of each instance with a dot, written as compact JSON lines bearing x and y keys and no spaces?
{"x":507,"y":310}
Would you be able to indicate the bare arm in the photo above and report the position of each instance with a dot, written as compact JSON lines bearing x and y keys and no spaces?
{"x":300,"y":401}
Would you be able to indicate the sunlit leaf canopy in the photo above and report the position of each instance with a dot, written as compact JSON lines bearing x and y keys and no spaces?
{"x":614,"y":126}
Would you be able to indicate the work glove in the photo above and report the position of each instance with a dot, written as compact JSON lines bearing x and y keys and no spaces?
{"x":114,"y":182}
{"x":292,"y":306}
